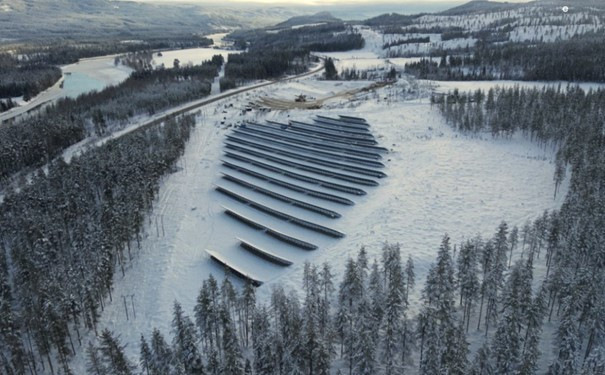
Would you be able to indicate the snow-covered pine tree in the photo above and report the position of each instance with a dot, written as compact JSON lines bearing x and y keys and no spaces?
{"x":568,"y":343}
{"x":232,"y":357}
{"x":94,"y":363}
{"x":513,"y":239}
{"x":213,"y":365}
{"x":262,"y":346}
{"x":326,"y":285}
{"x":162,"y":359}
{"x":486,"y":261}
{"x":145,"y":356}
{"x":203,"y":313}
{"x":595,"y":363}
{"x":482,"y":362}
{"x":468,"y":279}
{"x":184,"y":342}
{"x":430,"y":359}
{"x":350,"y":292}
{"x":409,"y":277}
{"x":531,"y":342}
{"x":113,"y":357}
{"x":311,"y":311}
{"x":248,"y":302}
{"x":454,"y":357}
{"x":376,"y":294}
{"x":394,"y":314}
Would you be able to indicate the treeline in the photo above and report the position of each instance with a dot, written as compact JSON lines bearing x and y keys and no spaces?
{"x":36,"y":140}
{"x":578,"y":59}
{"x":271,"y":55}
{"x":379,"y":74}
{"x":254,"y":65}
{"x":400,"y":42}
{"x":420,"y":30}
{"x":572,"y":121}
{"x":335,"y":36}
{"x":63,"y":236}
{"x":26,"y":80}
{"x":68,"y":53}
{"x":365,"y":324}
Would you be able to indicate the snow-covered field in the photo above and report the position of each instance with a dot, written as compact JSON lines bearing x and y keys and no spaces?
{"x":193,"y":56}
{"x":438,"y":181}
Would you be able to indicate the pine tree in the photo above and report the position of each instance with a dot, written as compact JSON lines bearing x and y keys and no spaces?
{"x":232,"y":356}
{"x":311,"y":312}
{"x":350,"y":291}
{"x":184,"y":342}
{"x":113,"y":357}
{"x":264,"y":361}
{"x":394,"y":313}
{"x":213,"y":367}
{"x":162,"y":359}
{"x":430,"y":359}
{"x":248,"y":302}
{"x":468,"y":279}
{"x":94,"y":363}
{"x":376,"y":294}
{"x":482,"y":364}
{"x":513,"y":239}
{"x":454,"y":356}
{"x":595,"y":363}
{"x":531,"y":343}
{"x":364,"y":347}
{"x":505,"y":347}
{"x":326,"y":286}
{"x":568,"y":343}
{"x":409,"y":277}
{"x":487,"y":260}
{"x":145,"y":356}
{"x":330,"y":70}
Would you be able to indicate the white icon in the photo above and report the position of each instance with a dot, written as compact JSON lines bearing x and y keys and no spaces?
{"x":565,"y":9}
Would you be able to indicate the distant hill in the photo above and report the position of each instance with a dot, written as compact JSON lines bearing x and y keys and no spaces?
{"x":321,"y":17}
{"x":481,"y":6}
{"x":68,"y":19}
{"x":391,"y":19}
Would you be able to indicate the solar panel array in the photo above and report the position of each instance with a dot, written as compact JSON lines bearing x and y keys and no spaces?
{"x":294,"y":176}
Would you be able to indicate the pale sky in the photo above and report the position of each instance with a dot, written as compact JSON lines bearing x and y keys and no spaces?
{"x":321,"y":2}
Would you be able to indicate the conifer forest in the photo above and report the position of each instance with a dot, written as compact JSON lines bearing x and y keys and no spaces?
{"x":345,"y":188}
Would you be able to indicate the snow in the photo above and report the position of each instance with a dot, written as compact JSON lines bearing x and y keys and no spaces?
{"x":193,"y":56}
{"x":438,"y":181}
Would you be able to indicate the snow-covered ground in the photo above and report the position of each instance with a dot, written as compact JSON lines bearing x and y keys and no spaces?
{"x":438,"y":181}
{"x":193,"y":56}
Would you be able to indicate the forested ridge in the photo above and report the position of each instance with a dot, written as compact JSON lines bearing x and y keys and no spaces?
{"x":578,"y":59}
{"x":26,"y":80}
{"x":271,"y":55}
{"x":36,"y":140}
{"x":65,"y":234}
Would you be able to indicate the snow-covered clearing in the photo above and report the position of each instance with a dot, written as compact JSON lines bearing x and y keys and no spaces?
{"x":438,"y":181}
{"x":193,"y":56}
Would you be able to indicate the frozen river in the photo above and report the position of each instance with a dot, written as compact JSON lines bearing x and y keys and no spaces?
{"x":99,"y":72}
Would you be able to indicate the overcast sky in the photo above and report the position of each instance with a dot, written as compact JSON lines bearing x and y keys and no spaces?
{"x":320,"y":2}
